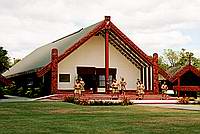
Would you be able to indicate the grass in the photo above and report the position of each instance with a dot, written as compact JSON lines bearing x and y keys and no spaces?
{"x":63,"y":118}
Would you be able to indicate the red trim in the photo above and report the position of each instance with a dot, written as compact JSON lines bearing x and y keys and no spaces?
{"x":163,"y":72}
{"x":129,"y":43}
{"x":183,"y":70}
{"x":76,"y":45}
{"x":107,"y":59}
{"x":82,"y":41}
{"x":155,"y":74}
{"x":94,"y":31}
{"x":54,"y":70}
{"x":179,"y":86}
{"x":187,"y":88}
{"x":41,"y":72}
{"x":5,"y":81}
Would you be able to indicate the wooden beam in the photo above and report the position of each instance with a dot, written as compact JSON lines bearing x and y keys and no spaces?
{"x":107,"y":60}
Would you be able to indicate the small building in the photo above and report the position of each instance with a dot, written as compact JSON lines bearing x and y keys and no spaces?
{"x":97,"y":54}
{"x":186,"y":81}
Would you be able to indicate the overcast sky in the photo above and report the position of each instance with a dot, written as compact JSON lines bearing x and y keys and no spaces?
{"x":153,"y":25}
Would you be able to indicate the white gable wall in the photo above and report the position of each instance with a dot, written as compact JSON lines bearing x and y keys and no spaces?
{"x":92,"y":54}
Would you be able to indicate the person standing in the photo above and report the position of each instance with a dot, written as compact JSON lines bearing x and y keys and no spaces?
{"x":82,"y":85}
{"x":77,"y":88}
{"x":123,"y":85}
{"x":137,"y":90}
{"x":141,"y":88}
{"x":164,"y":88}
{"x":115,"y":88}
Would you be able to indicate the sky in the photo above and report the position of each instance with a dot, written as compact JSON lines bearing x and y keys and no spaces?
{"x":153,"y":25}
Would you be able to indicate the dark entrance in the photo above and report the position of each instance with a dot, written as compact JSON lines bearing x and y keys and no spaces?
{"x":88,"y":76}
{"x":95,"y":77}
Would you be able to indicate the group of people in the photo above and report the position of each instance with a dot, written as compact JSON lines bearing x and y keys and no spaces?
{"x":121,"y":85}
{"x":79,"y":87}
{"x":140,"y":90}
{"x":117,"y":86}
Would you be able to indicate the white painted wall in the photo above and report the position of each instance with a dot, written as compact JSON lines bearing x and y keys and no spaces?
{"x":91,"y":54}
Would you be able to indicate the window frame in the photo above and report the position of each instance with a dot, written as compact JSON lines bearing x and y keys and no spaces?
{"x":67,"y":77}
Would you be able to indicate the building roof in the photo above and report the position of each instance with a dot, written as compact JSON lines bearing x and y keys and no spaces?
{"x":181,"y":71}
{"x":42,"y":55}
{"x":40,"y":60}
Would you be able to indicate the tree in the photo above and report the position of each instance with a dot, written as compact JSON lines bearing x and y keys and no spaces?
{"x":15,"y":61}
{"x":172,"y":58}
{"x":162,"y":63}
{"x":4,"y":60}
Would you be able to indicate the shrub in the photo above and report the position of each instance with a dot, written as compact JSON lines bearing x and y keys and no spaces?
{"x":125,"y":101}
{"x":70,"y":99}
{"x":184,"y":100}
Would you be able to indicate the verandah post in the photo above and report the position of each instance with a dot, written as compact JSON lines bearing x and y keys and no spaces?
{"x":107,"y":19}
{"x":155,"y":74}
{"x":54,"y":70}
{"x":179,"y":87}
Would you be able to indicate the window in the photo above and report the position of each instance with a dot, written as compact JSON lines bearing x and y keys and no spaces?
{"x":102,"y":80}
{"x":64,"y":77}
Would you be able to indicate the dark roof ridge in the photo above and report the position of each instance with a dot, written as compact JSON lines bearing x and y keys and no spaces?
{"x":67,"y":36}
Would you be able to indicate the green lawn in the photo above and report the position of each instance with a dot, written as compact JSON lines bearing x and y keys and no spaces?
{"x":63,"y":118}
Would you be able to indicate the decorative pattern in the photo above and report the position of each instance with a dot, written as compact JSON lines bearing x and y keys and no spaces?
{"x":187,"y":88}
{"x":155,"y":74}
{"x":107,"y":58}
{"x":54,"y":70}
{"x":128,"y":42}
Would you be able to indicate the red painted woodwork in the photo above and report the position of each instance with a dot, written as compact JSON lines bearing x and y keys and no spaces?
{"x":94,"y":31}
{"x":5,"y":81}
{"x":41,"y":72}
{"x":130,"y":44}
{"x":183,"y":70}
{"x":155,"y":74}
{"x":163,"y":72}
{"x":76,"y":45}
{"x":107,"y":18}
{"x":186,"y":88}
{"x":54,"y":70}
{"x":179,"y":86}
{"x":107,"y":59}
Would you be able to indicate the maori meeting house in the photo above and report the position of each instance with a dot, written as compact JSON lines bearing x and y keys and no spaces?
{"x":98,"y":54}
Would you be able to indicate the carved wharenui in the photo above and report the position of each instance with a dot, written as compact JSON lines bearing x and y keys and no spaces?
{"x":97,"y":54}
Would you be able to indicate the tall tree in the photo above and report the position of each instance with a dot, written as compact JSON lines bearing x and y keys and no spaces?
{"x":4,"y":60}
{"x":171,"y":57}
{"x":162,"y":63}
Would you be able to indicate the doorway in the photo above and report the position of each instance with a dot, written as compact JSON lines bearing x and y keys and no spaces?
{"x":94,"y":78}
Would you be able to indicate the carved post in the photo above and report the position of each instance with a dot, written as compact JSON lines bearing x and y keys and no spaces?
{"x":54,"y":70}
{"x":155,"y":74}
{"x":107,"y":27}
{"x":179,"y":86}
